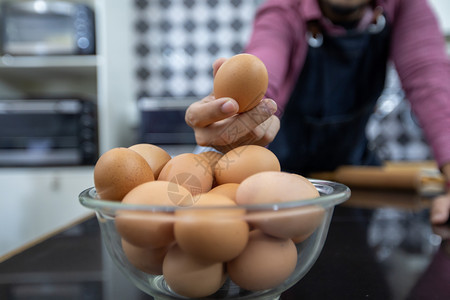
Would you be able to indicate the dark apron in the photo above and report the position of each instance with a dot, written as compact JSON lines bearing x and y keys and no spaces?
{"x":323,"y":125}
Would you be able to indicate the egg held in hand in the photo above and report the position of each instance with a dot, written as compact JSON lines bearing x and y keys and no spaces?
{"x":244,"y":78}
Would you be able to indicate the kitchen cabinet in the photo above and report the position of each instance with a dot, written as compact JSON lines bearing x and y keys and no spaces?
{"x":105,"y":77}
{"x":39,"y":200}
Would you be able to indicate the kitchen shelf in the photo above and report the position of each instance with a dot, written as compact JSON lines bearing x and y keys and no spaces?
{"x":43,"y":70}
{"x":19,"y":68}
{"x":60,"y":61}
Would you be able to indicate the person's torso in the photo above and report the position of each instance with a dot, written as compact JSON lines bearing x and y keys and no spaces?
{"x":323,"y":124}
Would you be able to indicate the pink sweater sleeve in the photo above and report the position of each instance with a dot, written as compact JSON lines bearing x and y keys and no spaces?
{"x":274,"y":40}
{"x":418,"y":52}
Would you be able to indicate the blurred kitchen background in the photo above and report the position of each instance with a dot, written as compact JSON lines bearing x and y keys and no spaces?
{"x":78,"y":78}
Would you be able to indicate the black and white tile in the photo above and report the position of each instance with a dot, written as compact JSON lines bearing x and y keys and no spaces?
{"x":176,"y":42}
{"x":393,"y":130}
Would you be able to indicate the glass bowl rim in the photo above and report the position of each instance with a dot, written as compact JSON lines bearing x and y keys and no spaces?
{"x":337,"y":193}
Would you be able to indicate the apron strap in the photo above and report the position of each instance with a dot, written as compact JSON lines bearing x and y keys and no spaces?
{"x":314,"y":34}
{"x":378,"y":21}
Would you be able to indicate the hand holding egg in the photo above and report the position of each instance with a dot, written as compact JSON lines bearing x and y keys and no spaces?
{"x":219,"y":119}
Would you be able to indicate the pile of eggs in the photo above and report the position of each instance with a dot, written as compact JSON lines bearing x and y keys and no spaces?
{"x":211,"y":234}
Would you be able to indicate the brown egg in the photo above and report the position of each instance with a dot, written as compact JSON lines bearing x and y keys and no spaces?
{"x":278,"y":187}
{"x":226,"y":189}
{"x":190,"y":171}
{"x":244,"y":161}
{"x":118,"y":171}
{"x":244,"y":78}
{"x":274,"y":187}
{"x":211,"y":157}
{"x":213,"y":234}
{"x":294,"y":223}
{"x":152,"y":228}
{"x":147,"y":260}
{"x":155,"y":156}
{"x":192,"y":277}
{"x":312,"y":221}
{"x":265,"y":263}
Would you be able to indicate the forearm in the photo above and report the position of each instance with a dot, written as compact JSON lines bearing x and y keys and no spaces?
{"x":277,"y":32}
{"x":418,"y":50}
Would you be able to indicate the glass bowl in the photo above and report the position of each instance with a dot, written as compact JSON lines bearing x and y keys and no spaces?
{"x":309,"y":219}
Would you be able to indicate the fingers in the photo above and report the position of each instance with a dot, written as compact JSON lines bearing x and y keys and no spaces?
{"x":253,"y":127}
{"x":262,"y":136}
{"x":258,"y":115}
{"x":266,"y":132}
{"x":440,"y":209}
{"x":217,"y":63}
{"x":442,"y":230}
{"x":210,"y":110}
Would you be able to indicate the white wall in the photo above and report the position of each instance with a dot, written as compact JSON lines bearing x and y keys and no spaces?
{"x":442,"y":10}
{"x":116,"y":104}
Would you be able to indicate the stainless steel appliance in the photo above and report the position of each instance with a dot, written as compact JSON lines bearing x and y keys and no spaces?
{"x":46,"y":28}
{"x":162,"y":121}
{"x":48,"y":132}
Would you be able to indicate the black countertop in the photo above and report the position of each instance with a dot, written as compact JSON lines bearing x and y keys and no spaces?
{"x":380,"y":245}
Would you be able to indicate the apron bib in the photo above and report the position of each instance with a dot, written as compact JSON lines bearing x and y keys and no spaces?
{"x":324,"y":122}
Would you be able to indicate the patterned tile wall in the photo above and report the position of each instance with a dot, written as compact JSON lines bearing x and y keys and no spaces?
{"x":177,"y":41}
{"x":393,"y":130}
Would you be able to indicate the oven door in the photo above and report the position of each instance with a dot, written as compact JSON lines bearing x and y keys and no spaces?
{"x":47,"y":133}
{"x":162,"y":121}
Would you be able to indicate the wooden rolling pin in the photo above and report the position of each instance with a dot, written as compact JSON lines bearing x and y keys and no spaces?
{"x":423,"y":177}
